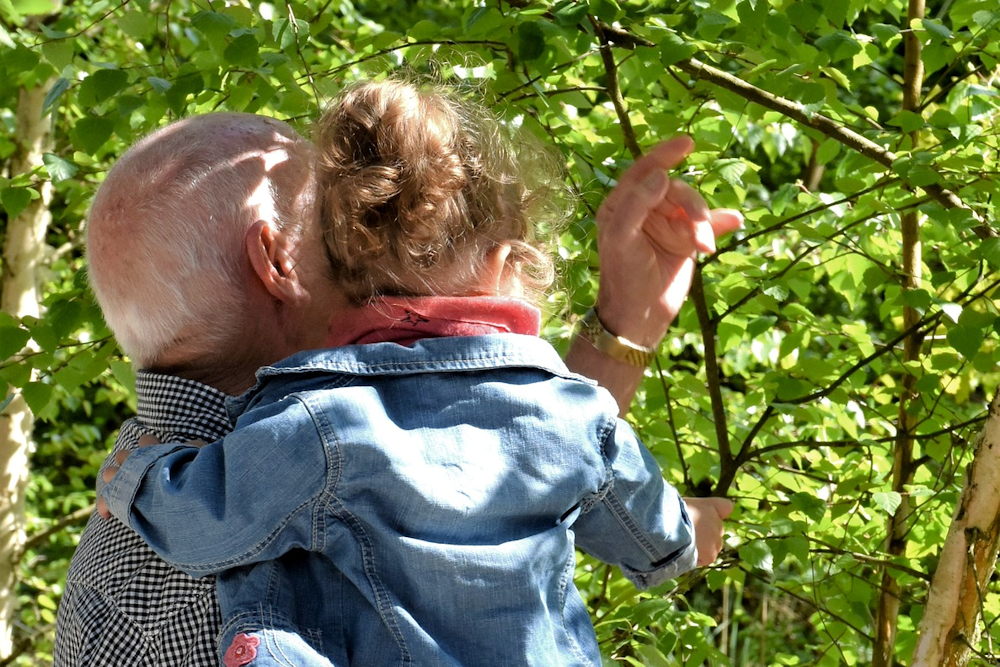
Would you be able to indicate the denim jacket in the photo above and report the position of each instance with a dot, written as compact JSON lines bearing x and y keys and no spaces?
{"x":395,"y":505}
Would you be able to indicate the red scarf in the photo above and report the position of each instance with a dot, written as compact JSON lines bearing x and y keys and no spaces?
{"x":405,"y":320}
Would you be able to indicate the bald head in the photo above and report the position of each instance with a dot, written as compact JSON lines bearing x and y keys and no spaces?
{"x":166,"y":230}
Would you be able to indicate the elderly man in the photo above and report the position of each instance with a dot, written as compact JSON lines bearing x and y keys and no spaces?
{"x":205,"y":258}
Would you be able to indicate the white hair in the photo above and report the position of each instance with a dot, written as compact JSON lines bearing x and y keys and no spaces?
{"x":166,"y":229}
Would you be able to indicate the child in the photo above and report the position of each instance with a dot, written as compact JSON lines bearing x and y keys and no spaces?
{"x":413,"y":494}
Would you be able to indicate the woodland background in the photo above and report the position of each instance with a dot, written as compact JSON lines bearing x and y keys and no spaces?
{"x":831,"y":372}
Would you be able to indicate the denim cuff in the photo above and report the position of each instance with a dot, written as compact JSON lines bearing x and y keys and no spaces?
{"x":121,"y":491}
{"x":675,"y":565}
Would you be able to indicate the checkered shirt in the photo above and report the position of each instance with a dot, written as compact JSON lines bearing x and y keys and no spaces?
{"x":123,"y":606}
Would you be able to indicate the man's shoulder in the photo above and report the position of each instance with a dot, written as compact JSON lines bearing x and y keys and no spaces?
{"x":122,"y":603}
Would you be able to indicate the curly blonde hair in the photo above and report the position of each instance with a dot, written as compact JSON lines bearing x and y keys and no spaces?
{"x":418,"y":185}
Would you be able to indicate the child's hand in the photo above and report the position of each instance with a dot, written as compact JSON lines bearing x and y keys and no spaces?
{"x":112,"y":470}
{"x":706,"y":517}
{"x":108,"y":475}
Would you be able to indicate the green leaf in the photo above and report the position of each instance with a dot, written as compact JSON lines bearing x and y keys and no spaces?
{"x":989,"y":250}
{"x":760,"y":325}
{"x":943,"y":118}
{"x":811,"y":93}
{"x":55,"y":92}
{"x":936,"y":28}
{"x":839,"y":45}
{"x":214,"y":26}
{"x":124,"y":373}
{"x":731,"y":170}
{"x":58,"y":52}
{"x":12,"y":340}
{"x":15,"y":200}
{"x":606,"y":10}
{"x":89,"y":134}
{"x":58,"y":168}
{"x":827,"y":151}
{"x":101,"y":85}
{"x":966,"y":340}
{"x":884,"y":32}
{"x":798,"y":547}
{"x":809,"y":504}
{"x":757,"y":554}
{"x":423,"y":30}
{"x":530,"y":41}
{"x":286,"y":33}
{"x":674,"y":49}
{"x":917,"y":298}
{"x":922,"y":174}
{"x":569,"y":13}
{"x":20,"y":60}
{"x":887,"y":501}
{"x":803,"y":15}
{"x":136,"y":24}
{"x":189,"y":84}
{"x":37,"y":395}
{"x":35,"y":7}
{"x":242,"y":51}
{"x":8,"y":12}
{"x":158,"y":84}
{"x":907,"y":121}
{"x":711,"y":24}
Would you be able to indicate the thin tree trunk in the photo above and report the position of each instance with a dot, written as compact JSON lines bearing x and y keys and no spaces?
{"x":887,"y":608}
{"x":950,"y":624}
{"x":815,"y":169}
{"x":23,"y":253}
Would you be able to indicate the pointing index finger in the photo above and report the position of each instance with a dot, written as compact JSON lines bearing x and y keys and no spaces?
{"x":663,"y":156}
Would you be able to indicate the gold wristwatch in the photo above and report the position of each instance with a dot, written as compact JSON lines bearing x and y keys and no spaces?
{"x":616,"y":347}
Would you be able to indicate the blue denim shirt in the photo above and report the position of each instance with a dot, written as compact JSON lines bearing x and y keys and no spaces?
{"x":413,"y":505}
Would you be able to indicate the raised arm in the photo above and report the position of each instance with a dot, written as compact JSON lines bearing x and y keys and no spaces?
{"x":648,"y":231}
{"x":247,"y":498}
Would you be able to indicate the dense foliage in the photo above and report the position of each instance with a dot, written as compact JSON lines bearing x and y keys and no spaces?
{"x":807,"y":378}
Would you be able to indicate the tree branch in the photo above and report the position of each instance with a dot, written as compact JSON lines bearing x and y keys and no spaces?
{"x":727,"y":471}
{"x":816,"y":121}
{"x":614,"y":92}
{"x":60,"y":525}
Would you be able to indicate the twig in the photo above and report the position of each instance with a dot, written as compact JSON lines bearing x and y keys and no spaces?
{"x":614,"y":92}
{"x":671,"y":422}
{"x":707,"y":324}
{"x":57,"y":527}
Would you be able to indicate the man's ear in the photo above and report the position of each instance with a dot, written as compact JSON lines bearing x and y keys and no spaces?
{"x":267,"y":250}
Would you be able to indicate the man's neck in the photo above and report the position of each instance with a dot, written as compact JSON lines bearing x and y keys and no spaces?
{"x":230,"y":380}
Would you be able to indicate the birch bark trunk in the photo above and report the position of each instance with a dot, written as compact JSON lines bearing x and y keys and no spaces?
{"x":954,"y":604}
{"x":23,"y":254}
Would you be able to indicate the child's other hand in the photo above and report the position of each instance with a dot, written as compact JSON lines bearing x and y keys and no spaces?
{"x":112,"y":470}
{"x":109,"y":474}
{"x":706,"y":517}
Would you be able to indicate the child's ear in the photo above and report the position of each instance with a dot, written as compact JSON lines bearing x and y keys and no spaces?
{"x":268,"y":252}
{"x":500,"y":275}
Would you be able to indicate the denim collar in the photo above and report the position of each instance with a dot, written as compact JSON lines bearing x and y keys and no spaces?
{"x":431,"y":355}
{"x":456,"y":353}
